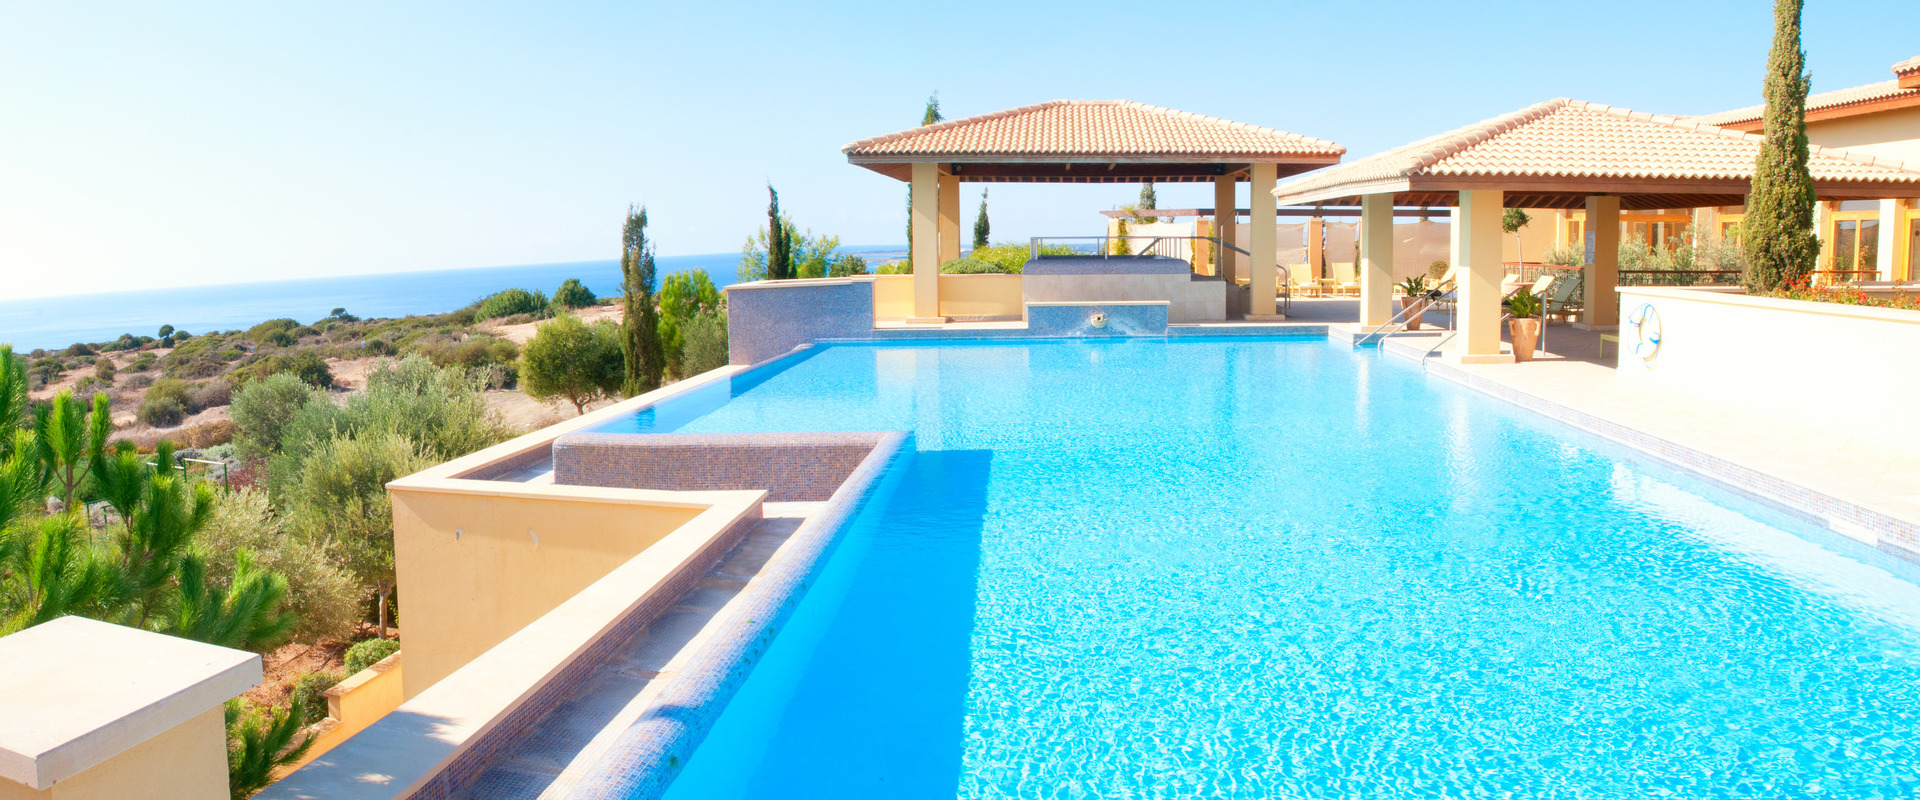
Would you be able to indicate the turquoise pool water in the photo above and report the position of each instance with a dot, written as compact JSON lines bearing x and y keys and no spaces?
{"x":1275,"y":568}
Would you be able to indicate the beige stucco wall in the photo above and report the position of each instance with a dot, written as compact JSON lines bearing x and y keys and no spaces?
{"x":980,"y":296}
{"x":474,"y":568}
{"x":187,"y":762}
{"x":1895,"y":134}
{"x":360,"y":700}
{"x":1820,"y":364}
{"x":892,"y":296}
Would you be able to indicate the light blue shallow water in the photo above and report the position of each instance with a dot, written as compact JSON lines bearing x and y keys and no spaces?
{"x":1273,"y":568}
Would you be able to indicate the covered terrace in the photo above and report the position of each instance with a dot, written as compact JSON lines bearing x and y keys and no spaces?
{"x":1089,"y":141}
{"x":1560,"y":154}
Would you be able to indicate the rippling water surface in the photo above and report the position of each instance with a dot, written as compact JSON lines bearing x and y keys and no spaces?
{"x":1274,"y":568}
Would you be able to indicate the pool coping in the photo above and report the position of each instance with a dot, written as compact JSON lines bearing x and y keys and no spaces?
{"x":648,"y":755}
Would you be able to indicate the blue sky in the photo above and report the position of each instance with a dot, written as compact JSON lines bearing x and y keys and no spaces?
{"x":151,"y":144}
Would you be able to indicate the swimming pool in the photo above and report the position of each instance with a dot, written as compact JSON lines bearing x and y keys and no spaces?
{"x":1273,"y":568}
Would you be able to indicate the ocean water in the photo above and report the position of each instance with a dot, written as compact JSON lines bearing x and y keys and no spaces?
{"x":52,"y":322}
{"x":1277,"y":568}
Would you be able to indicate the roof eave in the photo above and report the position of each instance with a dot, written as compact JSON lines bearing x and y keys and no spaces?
{"x":1321,"y":158}
{"x":1340,"y":191}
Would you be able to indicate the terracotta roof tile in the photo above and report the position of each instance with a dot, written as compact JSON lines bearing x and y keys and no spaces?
{"x":1838,"y":98}
{"x":1094,"y":128}
{"x":1573,"y":139}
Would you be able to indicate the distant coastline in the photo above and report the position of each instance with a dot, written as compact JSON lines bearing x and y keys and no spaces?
{"x":54,"y":322}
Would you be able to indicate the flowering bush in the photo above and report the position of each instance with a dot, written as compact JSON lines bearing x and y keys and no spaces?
{"x":1801,"y":288}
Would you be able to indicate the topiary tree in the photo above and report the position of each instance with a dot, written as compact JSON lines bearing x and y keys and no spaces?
{"x":1776,"y":236}
{"x":981,"y":228}
{"x":1512,"y":221}
{"x":571,"y":360}
{"x":644,"y":362}
{"x":573,"y":294}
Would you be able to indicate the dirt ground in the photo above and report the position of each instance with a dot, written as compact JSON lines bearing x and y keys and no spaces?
{"x":291,"y":661}
{"x":523,"y":332}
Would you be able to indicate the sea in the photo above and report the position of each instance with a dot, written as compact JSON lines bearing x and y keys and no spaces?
{"x":56,"y":322}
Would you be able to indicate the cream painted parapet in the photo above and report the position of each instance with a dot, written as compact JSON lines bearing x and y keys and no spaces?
{"x":1805,"y":363}
{"x":96,"y":711}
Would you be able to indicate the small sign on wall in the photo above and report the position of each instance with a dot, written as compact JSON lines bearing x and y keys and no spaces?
{"x":1590,"y":247}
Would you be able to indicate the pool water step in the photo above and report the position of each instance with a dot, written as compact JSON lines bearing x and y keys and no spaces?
{"x":550,"y":759}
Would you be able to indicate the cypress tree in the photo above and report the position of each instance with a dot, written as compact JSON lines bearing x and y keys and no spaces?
{"x":1148,"y":202}
{"x":640,"y":346}
{"x":779,"y":240}
{"x":980,"y":225}
{"x":1776,"y":237}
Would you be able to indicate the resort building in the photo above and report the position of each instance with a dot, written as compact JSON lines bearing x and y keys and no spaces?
{"x":1864,"y":239}
{"x":1190,"y":509}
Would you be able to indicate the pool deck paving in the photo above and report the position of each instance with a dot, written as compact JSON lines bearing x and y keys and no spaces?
{"x":1762,"y":456}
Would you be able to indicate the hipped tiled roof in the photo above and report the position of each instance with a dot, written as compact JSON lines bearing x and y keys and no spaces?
{"x":1093,"y":129}
{"x":1579,"y":141}
{"x":1836,"y":100}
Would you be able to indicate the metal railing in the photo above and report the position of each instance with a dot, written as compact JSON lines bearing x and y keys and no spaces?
{"x":1178,"y":248}
{"x":1679,"y":277}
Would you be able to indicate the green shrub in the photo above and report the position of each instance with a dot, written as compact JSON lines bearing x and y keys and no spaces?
{"x":78,"y":349}
{"x":510,"y":302}
{"x":143,"y":362}
{"x":1012,"y":257}
{"x":212,"y":394}
{"x":261,"y":331}
{"x":571,"y":360}
{"x":369,"y":653}
{"x":320,"y":592}
{"x":309,"y":693}
{"x":377,"y":347}
{"x":970,"y":266}
{"x":165,"y":404}
{"x":304,"y":364}
{"x":278,"y":339}
{"x":573,"y":294}
{"x":262,"y":410}
{"x":706,"y":343}
{"x":901,"y":267}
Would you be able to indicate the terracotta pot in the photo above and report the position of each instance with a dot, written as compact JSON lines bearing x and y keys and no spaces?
{"x":1413,"y":318}
{"x":1526,"y":336}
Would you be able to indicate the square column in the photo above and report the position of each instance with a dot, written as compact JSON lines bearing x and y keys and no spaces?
{"x":1478,"y":258}
{"x":926,"y":243}
{"x":949,"y":218}
{"x":1890,"y":219}
{"x":1602,"y":275}
{"x":1376,"y":259}
{"x":1203,"y":249}
{"x":1263,"y":239}
{"x":1226,"y":223}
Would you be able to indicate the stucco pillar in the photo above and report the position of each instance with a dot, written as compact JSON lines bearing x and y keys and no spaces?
{"x":949,"y":218}
{"x":1203,"y":249}
{"x":1316,"y":246}
{"x":926,"y":243}
{"x":1602,"y":310}
{"x":1226,"y":223}
{"x":1262,"y":243}
{"x":1890,"y":219}
{"x":1479,"y":258}
{"x":1376,"y":259}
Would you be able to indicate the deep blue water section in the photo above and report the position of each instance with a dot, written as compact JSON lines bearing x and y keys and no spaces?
{"x":50,"y":322}
{"x":1273,"y":568}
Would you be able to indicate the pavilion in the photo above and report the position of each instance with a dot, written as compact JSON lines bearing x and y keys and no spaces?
{"x":1560,"y":154}
{"x":1089,"y":141}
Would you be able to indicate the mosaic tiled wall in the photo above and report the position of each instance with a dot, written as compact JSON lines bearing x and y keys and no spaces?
{"x":790,"y":466}
{"x":765,"y":321}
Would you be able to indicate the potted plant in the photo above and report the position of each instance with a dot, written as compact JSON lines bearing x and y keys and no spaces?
{"x":1413,"y":305}
{"x":1525,"y":325}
